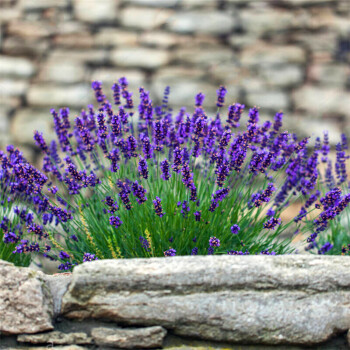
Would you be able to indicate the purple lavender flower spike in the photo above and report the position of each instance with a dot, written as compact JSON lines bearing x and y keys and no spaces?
{"x":89,"y":257}
{"x":221,"y":93}
{"x":235,"y":229}
{"x":170,"y":252}
{"x":115,"y":221}
{"x":158,"y":207}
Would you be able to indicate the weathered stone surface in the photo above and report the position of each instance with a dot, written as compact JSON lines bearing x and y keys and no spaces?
{"x":25,"y":302}
{"x":109,"y":76}
{"x":58,"y":285}
{"x":144,"y":18}
{"x":26,"y":120}
{"x":126,"y":338}
{"x":63,"y":71}
{"x":13,"y":88}
{"x":28,"y":47}
{"x":74,"y":40}
{"x":154,"y":3}
{"x":262,"y":54}
{"x":30,"y":29}
{"x":282,"y":76}
{"x":92,"y":56}
{"x":330,"y":74}
{"x":110,"y":37}
{"x":9,"y":14}
{"x":205,"y":22}
{"x":52,"y":95}
{"x":140,"y":57}
{"x":192,"y":4}
{"x":305,"y":126}
{"x":30,"y":5}
{"x":182,"y":93}
{"x":274,"y":100}
{"x":16,"y":67}
{"x":322,"y":101}
{"x":270,"y":300}
{"x":162,"y":39}
{"x":208,"y":55}
{"x":267,"y":21}
{"x":96,"y":11}
{"x":55,"y":338}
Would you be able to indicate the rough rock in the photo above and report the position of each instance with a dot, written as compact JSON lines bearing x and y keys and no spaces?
{"x":109,"y":76}
{"x":16,"y":67}
{"x":25,"y":302}
{"x":182,"y":93}
{"x":208,"y":55}
{"x":29,"y":47}
{"x":330,"y":74}
{"x":74,"y":40}
{"x":55,"y":338}
{"x":268,"y":300}
{"x":61,"y":96}
{"x":58,"y":285}
{"x":144,"y":18}
{"x":96,"y":57}
{"x":32,"y":5}
{"x":267,"y":21}
{"x":274,"y":100}
{"x":154,"y":3}
{"x":30,"y":29}
{"x":282,"y":76}
{"x":322,"y":100}
{"x":26,"y":120}
{"x":203,"y":22}
{"x":262,"y":54}
{"x":63,"y":71}
{"x":126,"y":338}
{"x":162,"y":39}
{"x":111,"y":37}
{"x":96,"y":11}
{"x":140,"y":57}
{"x":13,"y":88}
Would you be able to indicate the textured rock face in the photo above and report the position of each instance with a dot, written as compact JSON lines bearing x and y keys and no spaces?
{"x":55,"y":338}
{"x":149,"y":337}
{"x":25,"y":301}
{"x":268,"y":300}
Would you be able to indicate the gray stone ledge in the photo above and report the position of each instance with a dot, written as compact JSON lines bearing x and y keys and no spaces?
{"x":268,"y":300}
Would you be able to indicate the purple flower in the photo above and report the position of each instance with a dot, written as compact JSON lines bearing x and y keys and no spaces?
{"x":74,"y":238}
{"x":234,"y":114}
{"x":139,"y":192}
{"x":214,"y":242}
{"x":164,"y":167}
{"x":235,"y":229}
{"x":272,"y":223}
{"x":325,"y":248}
{"x":194,"y":251}
{"x":197,"y":215}
{"x":143,"y":170}
{"x":158,"y":207}
{"x":199,"y":99}
{"x":40,"y":141}
{"x":89,"y":257}
{"x":170,"y":252}
{"x":64,"y":255}
{"x":144,"y":243}
{"x":115,"y":221}
{"x":221,"y":93}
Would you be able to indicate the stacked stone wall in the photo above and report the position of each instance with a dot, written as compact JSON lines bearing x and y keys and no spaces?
{"x":292,"y":55}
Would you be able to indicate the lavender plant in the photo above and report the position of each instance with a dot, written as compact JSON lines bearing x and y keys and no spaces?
{"x":329,"y":201}
{"x":167,"y":184}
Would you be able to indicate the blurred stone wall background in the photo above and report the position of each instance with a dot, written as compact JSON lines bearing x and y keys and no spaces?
{"x":292,"y":55}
